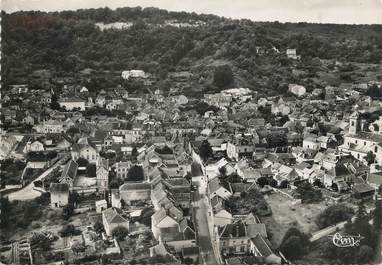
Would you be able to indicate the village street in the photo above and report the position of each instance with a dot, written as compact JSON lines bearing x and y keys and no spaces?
{"x":28,"y":192}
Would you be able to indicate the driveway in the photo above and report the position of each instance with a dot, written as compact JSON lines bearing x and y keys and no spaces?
{"x":28,"y":193}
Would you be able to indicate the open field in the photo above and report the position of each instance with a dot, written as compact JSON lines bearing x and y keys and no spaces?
{"x":286,"y":215}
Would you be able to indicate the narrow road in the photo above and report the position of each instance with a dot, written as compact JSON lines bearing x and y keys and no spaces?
{"x":378,"y":257}
{"x":28,"y":193}
{"x":200,"y":212}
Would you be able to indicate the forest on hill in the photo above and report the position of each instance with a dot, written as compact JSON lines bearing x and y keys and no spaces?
{"x":68,"y":42}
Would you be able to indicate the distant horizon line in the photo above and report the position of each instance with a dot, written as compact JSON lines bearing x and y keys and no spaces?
{"x":198,"y":13}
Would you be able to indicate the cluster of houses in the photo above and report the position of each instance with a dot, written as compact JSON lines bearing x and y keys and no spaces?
{"x":316,"y":137}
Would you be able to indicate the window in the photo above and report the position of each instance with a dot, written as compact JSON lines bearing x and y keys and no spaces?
{"x":356,"y":141}
{"x":364,"y":143}
{"x":375,"y":149}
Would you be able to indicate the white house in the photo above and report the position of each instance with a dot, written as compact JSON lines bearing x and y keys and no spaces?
{"x":102,"y":172}
{"x":35,"y":146}
{"x":133,"y":74}
{"x":298,"y":90}
{"x":112,"y":219}
{"x":59,"y":194}
{"x":72,"y":104}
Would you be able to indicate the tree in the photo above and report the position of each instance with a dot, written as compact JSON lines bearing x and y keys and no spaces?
{"x":67,"y":211}
{"x":284,"y":184}
{"x":98,"y":227}
{"x":333,"y":215}
{"x":5,"y":212}
{"x":135,"y":174}
{"x":294,"y":243}
{"x":69,"y":230}
{"x":205,"y":150}
{"x":377,"y":217}
{"x":365,"y":254}
{"x":120,"y":232}
{"x":370,"y":158}
{"x":262,"y":181}
{"x":273,"y":183}
{"x":317,"y":183}
{"x":91,"y":170}
{"x":308,"y":194}
{"x":292,"y":248}
{"x":54,"y":104}
{"x":223,"y":76}
{"x":223,"y":172}
{"x":82,"y":162}
{"x":374,"y":92}
{"x":146,"y":216}
{"x":134,"y":152}
{"x":77,"y":247}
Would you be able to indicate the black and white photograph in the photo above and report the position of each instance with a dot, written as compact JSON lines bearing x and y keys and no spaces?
{"x":195,"y":132}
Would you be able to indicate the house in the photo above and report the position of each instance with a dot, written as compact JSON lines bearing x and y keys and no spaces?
{"x":359,"y":142}
{"x":122,"y":168}
{"x":311,"y":143}
{"x":220,"y":100}
{"x":50,"y":126}
{"x":260,"y":247}
{"x":164,"y":250}
{"x":297,"y":90}
{"x":35,"y":146}
{"x":233,"y":238}
{"x":135,"y":192}
{"x":219,"y":188}
{"x":191,"y":253}
{"x":59,"y":194}
{"x":69,"y":173}
{"x":221,"y":215}
{"x":100,"y":100}
{"x":46,"y":98}
{"x":375,"y":180}
{"x":164,"y":220}
{"x":112,"y":219}
{"x":242,"y":145}
{"x":363,"y":191}
{"x":337,"y":177}
{"x":70,"y":104}
{"x":85,"y":148}
{"x":102,"y":173}
{"x":131,"y":74}
{"x":29,"y":120}
{"x":101,"y":205}
{"x":292,"y":54}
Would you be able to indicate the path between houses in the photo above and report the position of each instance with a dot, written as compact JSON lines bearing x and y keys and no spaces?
{"x":28,"y":192}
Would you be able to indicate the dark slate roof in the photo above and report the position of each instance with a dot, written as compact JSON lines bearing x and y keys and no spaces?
{"x":262,"y":245}
{"x":70,"y":170}
{"x":59,"y":188}
{"x":232,"y":230}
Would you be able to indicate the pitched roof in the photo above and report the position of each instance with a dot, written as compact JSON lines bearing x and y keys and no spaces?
{"x":232,"y":230}
{"x":70,"y":170}
{"x":135,"y":186}
{"x":262,"y":245}
{"x":59,"y":188}
{"x":112,"y":216}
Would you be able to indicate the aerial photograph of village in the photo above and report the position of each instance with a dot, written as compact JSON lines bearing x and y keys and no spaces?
{"x":191,"y":132}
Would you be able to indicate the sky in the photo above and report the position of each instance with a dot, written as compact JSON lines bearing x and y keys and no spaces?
{"x":317,"y":11}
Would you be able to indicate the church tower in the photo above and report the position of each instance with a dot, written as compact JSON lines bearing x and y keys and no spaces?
{"x":354,"y":123}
